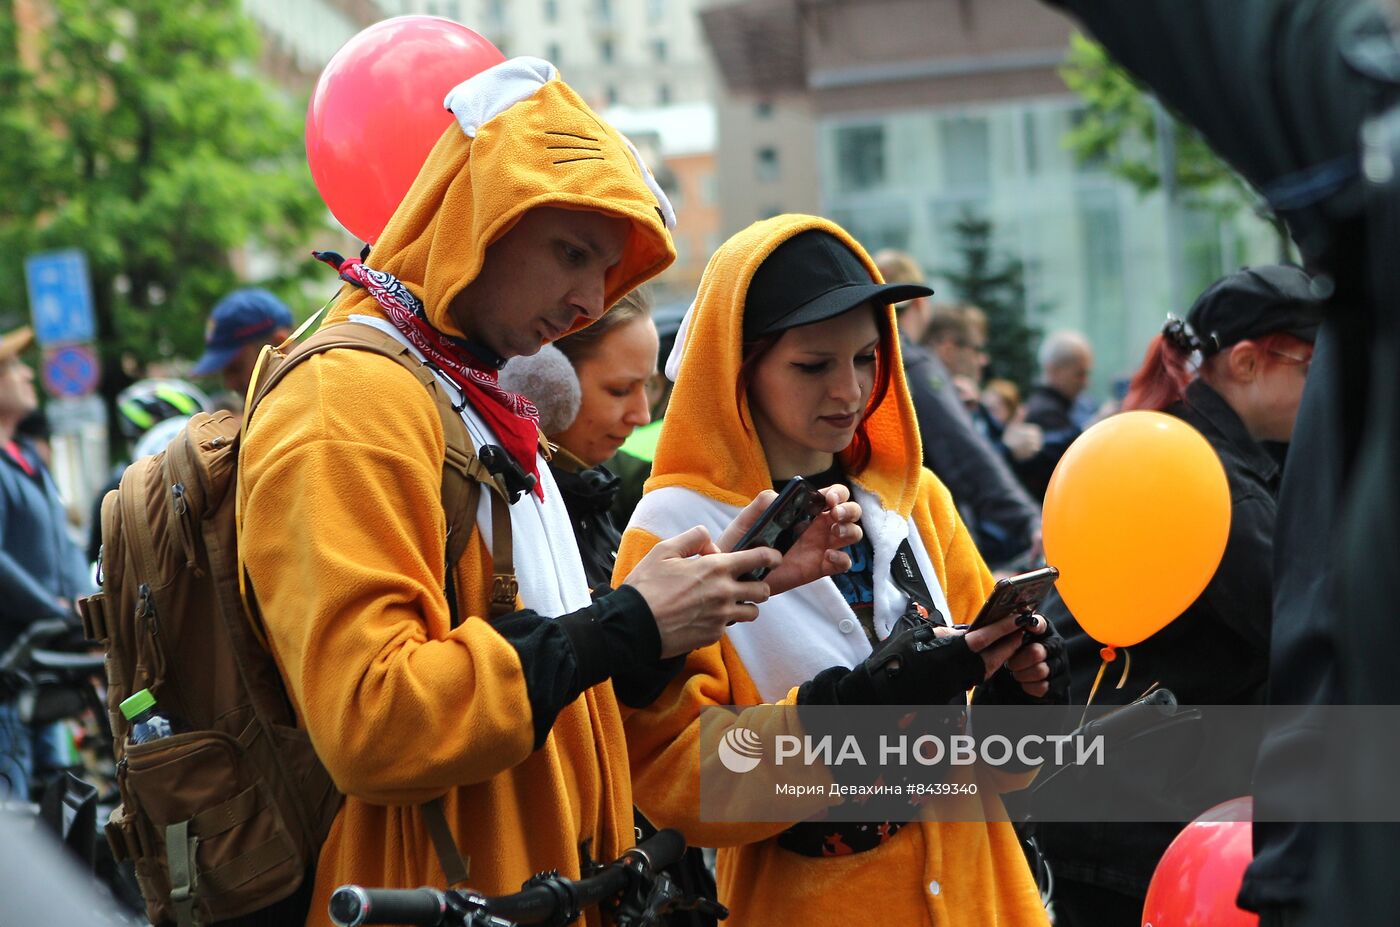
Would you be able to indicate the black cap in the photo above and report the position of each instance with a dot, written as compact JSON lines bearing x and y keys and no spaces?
{"x":809,"y":278}
{"x":1254,"y":302}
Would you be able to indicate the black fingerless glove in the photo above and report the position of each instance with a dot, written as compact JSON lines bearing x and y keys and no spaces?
{"x":1003,"y":689}
{"x":911,"y":667}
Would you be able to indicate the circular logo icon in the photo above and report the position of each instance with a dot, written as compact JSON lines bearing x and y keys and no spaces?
{"x":740,"y":749}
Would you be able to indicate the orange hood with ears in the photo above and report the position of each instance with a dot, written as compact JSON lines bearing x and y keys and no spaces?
{"x":522,"y":138}
{"x":708,"y":441}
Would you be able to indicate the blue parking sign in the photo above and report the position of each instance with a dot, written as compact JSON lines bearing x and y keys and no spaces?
{"x":60,"y":296}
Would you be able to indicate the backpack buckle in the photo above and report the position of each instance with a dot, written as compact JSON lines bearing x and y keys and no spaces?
{"x":510,"y":476}
{"x":504,"y":589}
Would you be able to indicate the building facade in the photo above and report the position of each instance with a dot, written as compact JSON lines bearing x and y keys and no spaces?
{"x":928,"y":110}
{"x":639,"y":53}
{"x":299,"y":38}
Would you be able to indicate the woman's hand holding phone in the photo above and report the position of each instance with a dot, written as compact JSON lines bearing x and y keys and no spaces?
{"x":817,"y":551}
{"x":1001,"y":642}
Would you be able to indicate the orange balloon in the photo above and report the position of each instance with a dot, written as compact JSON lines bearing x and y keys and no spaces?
{"x":1136,"y":519}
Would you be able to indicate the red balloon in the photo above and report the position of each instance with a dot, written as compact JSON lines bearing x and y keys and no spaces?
{"x":1199,"y":876}
{"x":377,"y":111}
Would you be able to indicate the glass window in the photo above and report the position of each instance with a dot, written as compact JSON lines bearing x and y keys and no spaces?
{"x":967,"y":151}
{"x":763,"y":109}
{"x":663,"y":94}
{"x":1097,"y":164}
{"x":1203,"y":248}
{"x":767,"y":164}
{"x":611,"y":95}
{"x":1105,"y":290}
{"x":606,"y":50}
{"x":551,"y":10}
{"x":452,"y":9}
{"x":656,"y":9}
{"x":860,"y":157}
{"x":552,"y":51}
{"x":1031,"y":141}
{"x":877,"y":225}
{"x":658,"y":49}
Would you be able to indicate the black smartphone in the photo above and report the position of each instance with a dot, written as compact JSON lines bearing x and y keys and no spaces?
{"x":783,"y":522}
{"x":1018,"y":595}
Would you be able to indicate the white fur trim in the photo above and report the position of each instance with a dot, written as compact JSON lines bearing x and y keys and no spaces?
{"x":673,"y":360}
{"x":668,"y":212}
{"x":801,"y":632}
{"x":484,"y":96}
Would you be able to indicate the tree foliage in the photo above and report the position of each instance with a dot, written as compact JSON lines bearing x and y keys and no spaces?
{"x":995,"y":284}
{"x":1120,"y":126}
{"x":138,"y":133}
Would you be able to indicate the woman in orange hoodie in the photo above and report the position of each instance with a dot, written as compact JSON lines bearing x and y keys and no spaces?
{"x":789,"y":366}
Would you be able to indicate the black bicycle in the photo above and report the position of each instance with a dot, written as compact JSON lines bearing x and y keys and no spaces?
{"x":633,"y":890}
{"x":51,"y":674}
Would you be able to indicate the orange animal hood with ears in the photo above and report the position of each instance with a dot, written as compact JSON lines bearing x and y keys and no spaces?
{"x":522,"y":138}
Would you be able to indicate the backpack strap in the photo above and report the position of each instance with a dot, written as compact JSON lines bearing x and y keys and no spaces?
{"x":455,"y":867}
{"x":463,"y":473}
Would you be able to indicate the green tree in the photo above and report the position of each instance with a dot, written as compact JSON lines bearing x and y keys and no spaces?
{"x":137,"y":133}
{"x":1120,"y":127}
{"x":995,"y":284}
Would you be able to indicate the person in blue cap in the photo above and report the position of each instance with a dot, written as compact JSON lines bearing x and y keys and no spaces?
{"x":241,"y":323}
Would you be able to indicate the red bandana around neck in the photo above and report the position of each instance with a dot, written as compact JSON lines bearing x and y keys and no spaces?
{"x":513,"y":418}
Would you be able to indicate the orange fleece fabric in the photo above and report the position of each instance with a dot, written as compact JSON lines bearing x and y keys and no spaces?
{"x":964,"y":874}
{"x":344,"y":540}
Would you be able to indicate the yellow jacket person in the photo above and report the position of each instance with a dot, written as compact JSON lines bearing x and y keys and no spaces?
{"x":789,"y":366}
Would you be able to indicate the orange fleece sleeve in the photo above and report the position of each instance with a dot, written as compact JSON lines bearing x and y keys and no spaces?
{"x":344,"y":539}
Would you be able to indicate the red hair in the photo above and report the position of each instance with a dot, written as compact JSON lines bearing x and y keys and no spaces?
{"x":856,"y":456}
{"x":1162,"y":379}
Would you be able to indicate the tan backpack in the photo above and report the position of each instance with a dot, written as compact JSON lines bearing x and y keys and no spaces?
{"x":226,"y":819}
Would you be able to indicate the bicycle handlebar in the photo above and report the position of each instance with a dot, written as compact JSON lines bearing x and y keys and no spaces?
{"x":552,"y":899}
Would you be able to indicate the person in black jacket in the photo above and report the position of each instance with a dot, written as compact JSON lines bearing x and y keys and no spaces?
{"x":1302,"y":98}
{"x":1253,"y":333}
{"x":1066,"y":361}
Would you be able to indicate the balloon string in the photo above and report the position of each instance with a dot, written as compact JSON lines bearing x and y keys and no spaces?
{"x":1093,"y":689}
{"x":1127,"y":665}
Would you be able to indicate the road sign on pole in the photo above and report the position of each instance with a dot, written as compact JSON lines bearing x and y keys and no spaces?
{"x":70,"y":371}
{"x":60,"y":296}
